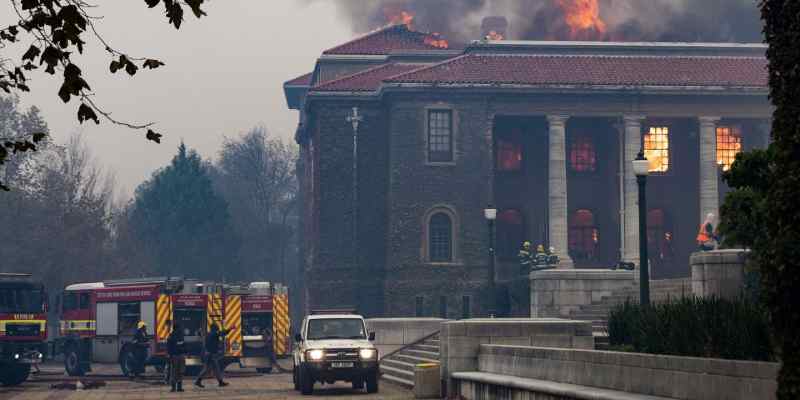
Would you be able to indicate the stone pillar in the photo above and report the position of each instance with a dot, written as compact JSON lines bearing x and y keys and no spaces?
{"x":709,"y":171}
{"x":557,"y":189}
{"x":719,"y":273}
{"x":631,"y":148}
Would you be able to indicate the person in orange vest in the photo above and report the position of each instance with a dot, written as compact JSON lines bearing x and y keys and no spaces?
{"x":706,"y":239}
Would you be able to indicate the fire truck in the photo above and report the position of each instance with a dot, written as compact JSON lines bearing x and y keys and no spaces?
{"x":23,"y":326}
{"x":264,"y":322}
{"x":98,"y":321}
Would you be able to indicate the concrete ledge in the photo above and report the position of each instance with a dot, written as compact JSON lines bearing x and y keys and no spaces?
{"x":558,"y":390}
{"x":393,"y":333}
{"x":557,"y":293}
{"x":718,"y":273}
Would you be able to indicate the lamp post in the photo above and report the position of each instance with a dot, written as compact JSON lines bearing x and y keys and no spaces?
{"x":490,"y":213}
{"x":641,"y":167}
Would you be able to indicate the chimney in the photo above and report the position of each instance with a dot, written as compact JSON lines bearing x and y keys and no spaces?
{"x":494,"y":28}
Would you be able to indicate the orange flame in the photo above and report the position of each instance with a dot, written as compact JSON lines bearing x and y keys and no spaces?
{"x":398,"y":17}
{"x":435,"y":40}
{"x":494,"y":35}
{"x":583,"y":18}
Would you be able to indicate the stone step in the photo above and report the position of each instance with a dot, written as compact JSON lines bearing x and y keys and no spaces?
{"x":414,"y":359}
{"x":406,"y":366}
{"x":422,"y":353}
{"x":398,"y":372}
{"x":427,"y":347}
{"x":398,"y":381}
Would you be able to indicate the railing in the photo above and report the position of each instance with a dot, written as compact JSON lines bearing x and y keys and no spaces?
{"x":404,"y":347}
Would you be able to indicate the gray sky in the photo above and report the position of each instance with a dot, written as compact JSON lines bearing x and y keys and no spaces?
{"x":223,"y":75}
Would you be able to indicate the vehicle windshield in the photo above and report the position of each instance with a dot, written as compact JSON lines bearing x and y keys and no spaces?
{"x":191,"y":320}
{"x":21,"y":300}
{"x":257,"y":323}
{"x":336,"y":328}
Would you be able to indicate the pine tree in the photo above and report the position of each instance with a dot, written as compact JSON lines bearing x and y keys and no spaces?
{"x":184,"y":223}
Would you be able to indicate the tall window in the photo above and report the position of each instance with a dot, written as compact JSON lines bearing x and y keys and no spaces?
{"x":510,"y":232}
{"x":440,"y":135}
{"x":656,"y":148}
{"x":729,"y":144}
{"x":509,"y":151}
{"x":582,"y":155}
{"x":440,"y":232}
{"x":584,"y":236}
{"x":659,"y":237}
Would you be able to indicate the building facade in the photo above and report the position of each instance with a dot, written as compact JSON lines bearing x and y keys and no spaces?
{"x":404,"y":143}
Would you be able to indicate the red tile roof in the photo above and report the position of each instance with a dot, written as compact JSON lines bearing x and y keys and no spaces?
{"x":302,"y":80}
{"x":593,"y":70}
{"x":385,"y":41}
{"x":368,"y":80}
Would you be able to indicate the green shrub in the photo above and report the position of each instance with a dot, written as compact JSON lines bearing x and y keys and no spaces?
{"x":697,"y":327}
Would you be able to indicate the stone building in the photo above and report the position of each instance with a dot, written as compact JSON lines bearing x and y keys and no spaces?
{"x":404,"y":142}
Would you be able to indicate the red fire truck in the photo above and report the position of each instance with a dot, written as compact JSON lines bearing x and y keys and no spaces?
{"x":98,"y":321}
{"x":265,"y":323}
{"x":23,"y":326}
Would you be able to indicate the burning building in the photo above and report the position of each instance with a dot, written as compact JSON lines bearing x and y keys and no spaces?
{"x":406,"y":138}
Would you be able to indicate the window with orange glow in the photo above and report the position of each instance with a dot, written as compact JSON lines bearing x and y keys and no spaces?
{"x":659,"y":237}
{"x":509,"y":155}
{"x":729,"y":144}
{"x":656,"y":148}
{"x":582,"y":155}
{"x":584,"y":237}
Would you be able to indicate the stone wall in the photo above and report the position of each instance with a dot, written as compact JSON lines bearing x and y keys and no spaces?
{"x":645,"y":374}
{"x":555,"y":293}
{"x":718,"y":273}
{"x":460,"y":341}
{"x":393,"y":333}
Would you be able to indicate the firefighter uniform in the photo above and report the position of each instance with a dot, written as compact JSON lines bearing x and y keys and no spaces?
{"x":177,"y":358}
{"x":212,"y":346}
{"x":141,"y":343}
{"x":525,"y":258}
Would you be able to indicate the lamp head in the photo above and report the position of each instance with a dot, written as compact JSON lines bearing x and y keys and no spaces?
{"x":641,"y":167}
{"x":490,"y":213}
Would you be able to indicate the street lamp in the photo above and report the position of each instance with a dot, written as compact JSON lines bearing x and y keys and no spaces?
{"x":490,"y":213}
{"x":641,"y":167}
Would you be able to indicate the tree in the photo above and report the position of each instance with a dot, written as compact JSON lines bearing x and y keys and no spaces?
{"x":256,"y":175}
{"x":743,"y":214}
{"x":778,"y":254}
{"x":54,"y":32}
{"x":179,"y":217}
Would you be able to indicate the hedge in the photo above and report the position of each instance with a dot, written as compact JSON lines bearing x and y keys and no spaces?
{"x":692,"y":326}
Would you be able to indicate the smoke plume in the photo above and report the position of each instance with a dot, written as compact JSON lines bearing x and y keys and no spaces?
{"x":606,"y":20}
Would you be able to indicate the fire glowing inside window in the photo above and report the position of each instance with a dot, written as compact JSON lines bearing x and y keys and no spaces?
{"x":729,"y":144}
{"x":440,"y":135}
{"x":656,"y":148}
{"x":584,"y":237}
{"x":659,"y":236}
{"x":441,"y":238}
{"x":582,"y":155}
{"x":509,"y":155}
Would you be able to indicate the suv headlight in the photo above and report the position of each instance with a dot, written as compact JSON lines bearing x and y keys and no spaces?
{"x":367,"y":354}
{"x":315,"y":355}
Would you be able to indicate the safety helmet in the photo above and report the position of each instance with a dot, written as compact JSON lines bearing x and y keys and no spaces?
{"x":526,"y":244}
{"x":140,"y":325}
{"x":540,"y":248}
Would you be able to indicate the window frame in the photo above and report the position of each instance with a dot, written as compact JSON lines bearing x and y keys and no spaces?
{"x":514,"y":137}
{"x":454,"y":235}
{"x":428,"y":111}
{"x":575,"y":139}
{"x":593,"y":229}
{"x":670,"y":158}
{"x":735,"y":131}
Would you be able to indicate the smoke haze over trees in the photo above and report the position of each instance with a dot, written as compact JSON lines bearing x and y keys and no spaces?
{"x":619,"y":20}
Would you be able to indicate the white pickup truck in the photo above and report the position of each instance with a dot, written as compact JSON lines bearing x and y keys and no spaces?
{"x":335,"y":347}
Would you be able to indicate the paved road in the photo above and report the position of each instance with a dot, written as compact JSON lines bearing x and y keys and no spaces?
{"x":244,"y":384}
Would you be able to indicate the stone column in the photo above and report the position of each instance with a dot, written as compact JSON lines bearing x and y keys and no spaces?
{"x":709,"y":171}
{"x":557,"y":189}
{"x":631,"y":148}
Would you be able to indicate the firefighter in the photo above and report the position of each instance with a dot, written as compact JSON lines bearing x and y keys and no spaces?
{"x":705,"y":235}
{"x":176,"y":349}
{"x":541,"y":258}
{"x":140,"y":342}
{"x":525,"y":258}
{"x":212,"y":347}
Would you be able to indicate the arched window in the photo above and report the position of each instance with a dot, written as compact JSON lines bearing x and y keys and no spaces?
{"x":510,"y":232}
{"x":584,"y":237}
{"x":440,"y":238}
{"x":582,"y":155}
{"x":659,"y":236}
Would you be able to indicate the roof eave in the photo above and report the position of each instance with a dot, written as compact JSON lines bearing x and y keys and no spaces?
{"x":654,"y":89}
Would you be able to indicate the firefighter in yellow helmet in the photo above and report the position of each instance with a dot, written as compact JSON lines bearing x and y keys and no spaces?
{"x":141,"y":343}
{"x":525,"y":258}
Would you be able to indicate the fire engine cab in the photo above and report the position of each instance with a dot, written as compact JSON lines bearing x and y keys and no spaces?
{"x":98,"y":321}
{"x":23,"y":326}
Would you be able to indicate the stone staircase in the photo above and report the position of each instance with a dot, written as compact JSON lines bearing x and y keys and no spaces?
{"x":597,"y":312}
{"x":398,"y":367}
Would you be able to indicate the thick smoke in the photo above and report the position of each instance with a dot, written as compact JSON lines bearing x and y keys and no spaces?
{"x":625,"y":20}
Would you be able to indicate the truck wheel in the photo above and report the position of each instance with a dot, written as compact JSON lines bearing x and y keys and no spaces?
{"x":372,"y":382}
{"x":72,"y":362}
{"x":127,"y":363}
{"x":306,"y":382}
{"x":15,"y":375}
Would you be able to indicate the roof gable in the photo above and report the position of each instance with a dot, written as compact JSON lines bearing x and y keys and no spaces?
{"x":387,"y":40}
{"x":368,"y":80}
{"x":302,"y":80}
